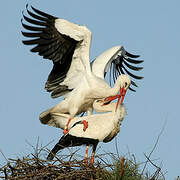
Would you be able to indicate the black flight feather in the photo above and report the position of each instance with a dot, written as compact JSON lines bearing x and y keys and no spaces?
{"x":122,"y":64}
{"x":51,"y":44}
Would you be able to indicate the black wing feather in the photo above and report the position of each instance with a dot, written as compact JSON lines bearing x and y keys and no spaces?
{"x":35,"y":16}
{"x":131,"y":55}
{"x":121,"y":65}
{"x":130,"y":74}
{"x":133,"y":60}
{"x":27,"y":34}
{"x":32,"y":21}
{"x":132,"y":89}
{"x":32,"y":28}
{"x":133,"y":83}
{"x":50,"y":44}
{"x":132,"y":67}
{"x":43,"y":13}
{"x":36,"y":41}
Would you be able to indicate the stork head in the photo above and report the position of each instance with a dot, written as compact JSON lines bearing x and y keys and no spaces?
{"x":124,"y":82}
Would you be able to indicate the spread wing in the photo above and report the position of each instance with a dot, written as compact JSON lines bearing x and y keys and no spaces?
{"x":57,"y":40}
{"x":114,"y":62}
{"x":125,"y":63}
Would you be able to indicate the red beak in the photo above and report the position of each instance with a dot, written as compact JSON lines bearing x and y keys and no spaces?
{"x":121,"y":94}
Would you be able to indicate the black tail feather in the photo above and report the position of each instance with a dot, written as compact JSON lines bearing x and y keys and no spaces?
{"x":53,"y":152}
{"x":71,"y":141}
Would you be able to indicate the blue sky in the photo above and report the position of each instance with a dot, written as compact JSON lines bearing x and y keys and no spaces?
{"x":149,"y":28}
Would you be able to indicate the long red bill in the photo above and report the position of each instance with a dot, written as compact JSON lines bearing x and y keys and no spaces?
{"x":121,"y":94}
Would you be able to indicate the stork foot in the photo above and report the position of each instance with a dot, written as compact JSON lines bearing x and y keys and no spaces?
{"x":86,"y":155}
{"x":85,"y":123}
{"x":66,"y":127}
{"x":86,"y":160}
{"x":92,"y":161}
{"x":65,"y":131}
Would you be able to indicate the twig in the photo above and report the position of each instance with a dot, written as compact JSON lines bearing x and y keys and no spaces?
{"x":157,"y":167}
{"x":54,"y":156}
{"x":154,"y":146}
{"x":73,"y":154}
{"x":5,"y":173}
{"x":105,"y":162}
{"x":3,"y":155}
{"x":116,"y":145}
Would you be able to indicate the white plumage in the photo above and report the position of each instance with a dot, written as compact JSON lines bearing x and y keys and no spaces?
{"x":72,"y":76}
{"x":83,"y":97}
{"x":101,"y":127}
{"x":106,"y":121}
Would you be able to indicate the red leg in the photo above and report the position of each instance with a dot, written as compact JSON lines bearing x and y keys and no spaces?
{"x":93,"y":153}
{"x":66,"y":127}
{"x":92,"y":158}
{"x":86,"y":155}
{"x":85,"y":123}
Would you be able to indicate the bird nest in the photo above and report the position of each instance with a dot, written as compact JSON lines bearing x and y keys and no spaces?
{"x":69,"y":167}
{"x":32,"y":167}
{"x":35,"y":168}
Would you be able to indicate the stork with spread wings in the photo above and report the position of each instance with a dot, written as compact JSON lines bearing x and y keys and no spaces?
{"x":73,"y":76}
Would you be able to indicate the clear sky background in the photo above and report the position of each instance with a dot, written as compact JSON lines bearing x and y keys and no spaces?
{"x":149,"y":28}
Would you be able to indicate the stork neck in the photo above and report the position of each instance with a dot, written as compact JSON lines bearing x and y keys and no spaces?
{"x":99,"y":107}
{"x":116,"y":88}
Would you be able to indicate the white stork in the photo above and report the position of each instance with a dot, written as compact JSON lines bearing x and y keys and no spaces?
{"x":101,"y":128}
{"x":73,"y":76}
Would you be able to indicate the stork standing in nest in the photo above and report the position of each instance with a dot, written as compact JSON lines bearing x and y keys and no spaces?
{"x":101,"y":128}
